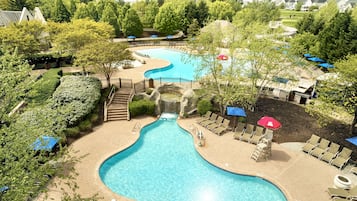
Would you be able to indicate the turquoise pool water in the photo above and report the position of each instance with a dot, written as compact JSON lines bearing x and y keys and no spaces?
{"x":163,"y":165}
{"x":181,"y":65}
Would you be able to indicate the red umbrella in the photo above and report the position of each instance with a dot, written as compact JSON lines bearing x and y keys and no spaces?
{"x":222,"y":57}
{"x":269,"y":122}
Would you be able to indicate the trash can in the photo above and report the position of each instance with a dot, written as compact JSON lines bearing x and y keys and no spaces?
{"x":151,"y":83}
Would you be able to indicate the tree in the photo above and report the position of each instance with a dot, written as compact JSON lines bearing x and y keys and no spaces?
{"x":167,"y":21}
{"x":27,"y":37}
{"x":220,"y":10}
{"x":303,"y":43}
{"x":60,"y":12}
{"x":255,"y":61}
{"x":14,"y":80}
{"x":109,"y":15}
{"x":68,"y":38}
{"x":147,"y":10}
{"x":337,"y":94}
{"x":257,"y":12}
{"x":16,"y":5}
{"x":202,"y":13}
{"x":131,"y":24}
{"x":337,"y":39}
{"x":102,"y":56}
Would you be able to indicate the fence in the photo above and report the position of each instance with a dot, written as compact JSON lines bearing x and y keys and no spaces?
{"x":157,"y":43}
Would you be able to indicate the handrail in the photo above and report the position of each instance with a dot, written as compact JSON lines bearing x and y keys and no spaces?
{"x":129,"y":100}
{"x":108,"y":101}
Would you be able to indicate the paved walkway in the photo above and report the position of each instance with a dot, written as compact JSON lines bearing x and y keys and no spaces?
{"x":300,"y":176}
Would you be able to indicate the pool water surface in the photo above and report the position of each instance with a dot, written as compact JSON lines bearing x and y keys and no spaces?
{"x":164,"y":165}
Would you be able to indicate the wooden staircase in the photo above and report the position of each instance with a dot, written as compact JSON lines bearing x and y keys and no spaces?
{"x":118,"y":109}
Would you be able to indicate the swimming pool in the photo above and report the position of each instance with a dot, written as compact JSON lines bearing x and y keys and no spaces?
{"x":164,"y":165}
{"x":182,"y":66}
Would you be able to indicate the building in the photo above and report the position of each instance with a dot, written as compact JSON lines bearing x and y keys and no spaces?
{"x":9,"y":17}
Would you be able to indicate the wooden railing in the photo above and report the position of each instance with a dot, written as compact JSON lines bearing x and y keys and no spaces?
{"x":132,"y":93}
{"x":108,"y":101}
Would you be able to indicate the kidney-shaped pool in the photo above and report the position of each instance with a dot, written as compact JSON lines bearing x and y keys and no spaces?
{"x":163,"y":165}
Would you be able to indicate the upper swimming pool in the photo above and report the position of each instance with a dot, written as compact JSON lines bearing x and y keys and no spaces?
{"x":181,"y":66}
{"x":164,"y":165}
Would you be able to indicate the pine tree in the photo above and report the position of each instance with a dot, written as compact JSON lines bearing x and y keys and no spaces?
{"x":60,"y":12}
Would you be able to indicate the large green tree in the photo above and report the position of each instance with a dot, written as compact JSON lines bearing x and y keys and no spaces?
{"x":110,"y":16}
{"x":103,"y":56}
{"x":28,"y":37}
{"x":68,"y":38}
{"x":147,"y":10}
{"x":167,"y":20}
{"x":60,"y":13}
{"x":131,"y":24}
{"x":220,"y":10}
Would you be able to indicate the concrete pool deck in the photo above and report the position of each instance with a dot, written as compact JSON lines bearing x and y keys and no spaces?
{"x":301,"y":177}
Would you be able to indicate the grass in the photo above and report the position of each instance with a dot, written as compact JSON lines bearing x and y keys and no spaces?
{"x":291,"y":17}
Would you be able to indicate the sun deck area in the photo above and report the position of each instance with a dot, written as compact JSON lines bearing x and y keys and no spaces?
{"x":300,"y":176}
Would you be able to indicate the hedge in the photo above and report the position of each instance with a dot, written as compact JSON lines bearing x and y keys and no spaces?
{"x":142,"y":107}
{"x":45,"y":86}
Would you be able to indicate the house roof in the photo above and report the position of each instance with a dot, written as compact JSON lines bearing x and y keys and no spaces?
{"x":9,"y":17}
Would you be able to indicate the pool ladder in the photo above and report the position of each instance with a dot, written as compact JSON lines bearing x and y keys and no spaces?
{"x":136,"y":128}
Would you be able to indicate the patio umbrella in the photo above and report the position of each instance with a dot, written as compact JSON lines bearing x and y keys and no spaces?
{"x":235,"y":112}
{"x":154,"y":36}
{"x":169,"y":36}
{"x":222,"y":57}
{"x":353,"y":140}
{"x":45,"y":143}
{"x":326,"y":65}
{"x":269,"y":122}
{"x":316,"y":59}
{"x":307,"y":55}
{"x":131,"y":37}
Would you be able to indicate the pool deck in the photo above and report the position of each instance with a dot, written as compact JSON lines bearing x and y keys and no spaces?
{"x":301,"y":177}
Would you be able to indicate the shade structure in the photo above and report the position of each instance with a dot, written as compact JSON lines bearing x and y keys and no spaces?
{"x":316,"y":59}
{"x":46,"y":143}
{"x":154,"y":36}
{"x":131,"y":37}
{"x":353,"y":140}
{"x":169,"y":36}
{"x":326,"y":65}
{"x":307,"y":55}
{"x":269,"y":122}
{"x":222,"y":57}
{"x":236,"y":111}
{"x":4,"y":189}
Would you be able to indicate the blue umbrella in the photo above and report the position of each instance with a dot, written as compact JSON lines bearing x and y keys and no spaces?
{"x":353,"y":140}
{"x":154,"y":36}
{"x":236,"y":111}
{"x":307,"y":55}
{"x":131,"y":37}
{"x":326,"y":65}
{"x":169,"y":36}
{"x":316,"y":59}
{"x":45,"y":143}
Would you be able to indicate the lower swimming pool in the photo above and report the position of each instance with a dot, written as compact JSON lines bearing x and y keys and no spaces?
{"x":164,"y":165}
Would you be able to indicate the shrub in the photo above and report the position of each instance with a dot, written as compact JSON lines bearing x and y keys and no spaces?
{"x":141,"y":107}
{"x":93,"y":117}
{"x":72,"y":132}
{"x":76,"y":97}
{"x":203,"y":106}
{"x":85,"y":125}
{"x":45,"y":86}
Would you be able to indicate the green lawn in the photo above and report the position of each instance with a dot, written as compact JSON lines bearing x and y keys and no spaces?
{"x":291,"y":17}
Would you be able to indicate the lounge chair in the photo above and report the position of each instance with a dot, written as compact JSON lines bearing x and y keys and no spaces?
{"x":248,"y":133}
{"x":258,"y":135}
{"x":211,"y":119}
{"x":342,"y":193}
{"x":311,"y":143}
{"x":339,"y":199}
{"x":204,"y":117}
{"x":239,"y":131}
{"x":321,"y":148}
{"x":354,"y":170}
{"x":342,"y":158}
{"x":224,"y":127}
{"x":216,"y":123}
{"x":330,"y":153}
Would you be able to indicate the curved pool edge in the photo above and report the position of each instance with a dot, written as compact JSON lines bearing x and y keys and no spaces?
{"x":223,"y":167}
